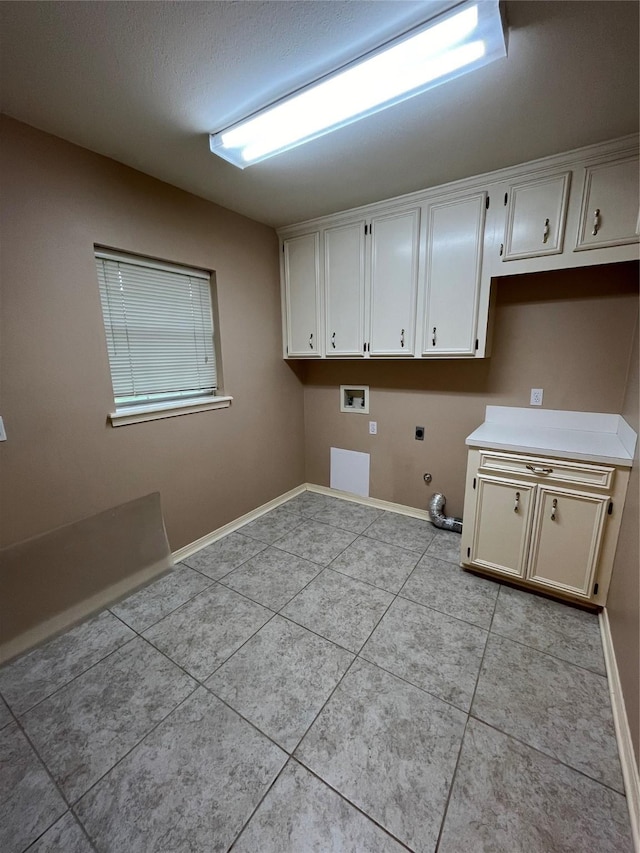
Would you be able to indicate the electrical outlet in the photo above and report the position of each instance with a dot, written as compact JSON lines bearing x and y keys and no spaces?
{"x":536,"y":397}
{"x":373,"y":427}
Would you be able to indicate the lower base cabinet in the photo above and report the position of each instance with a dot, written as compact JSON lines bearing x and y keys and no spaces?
{"x":544,"y":523}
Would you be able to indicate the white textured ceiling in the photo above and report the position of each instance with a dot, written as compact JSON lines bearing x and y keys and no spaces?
{"x":145,"y":82}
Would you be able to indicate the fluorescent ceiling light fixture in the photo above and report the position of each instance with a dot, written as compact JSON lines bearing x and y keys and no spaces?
{"x":462,"y":39}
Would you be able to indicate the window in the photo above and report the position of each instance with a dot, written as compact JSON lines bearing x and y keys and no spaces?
{"x":158,"y":321}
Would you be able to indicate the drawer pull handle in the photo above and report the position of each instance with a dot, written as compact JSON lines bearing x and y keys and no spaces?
{"x":517,"y":504}
{"x":539,"y":470}
{"x":596,"y":222}
{"x":433,"y":339}
{"x":333,"y":340}
{"x":402,"y":338}
{"x":545,"y":232}
{"x":554,"y":507}
{"x":311,"y":340}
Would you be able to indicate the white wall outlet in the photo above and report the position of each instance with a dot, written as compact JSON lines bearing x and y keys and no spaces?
{"x":536,"y":396}
{"x":373,"y":427}
{"x":3,"y":435}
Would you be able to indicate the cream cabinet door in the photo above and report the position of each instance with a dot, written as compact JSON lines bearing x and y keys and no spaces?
{"x":567,"y":534}
{"x":536,"y":214}
{"x":302,"y":295}
{"x":394,"y":280}
{"x":455,"y":232}
{"x":344,"y":256}
{"x":610,"y":204}
{"x":502,"y":525}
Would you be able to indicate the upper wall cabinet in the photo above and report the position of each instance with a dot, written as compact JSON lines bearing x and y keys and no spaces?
{"x":609,"y":213}
{"x":536,"y":210}
{"x":394,"y":282}
{"x":301,"y":279}
{"x":344,"y":277}
{"x":411,"y":277}
{"x":455,"y":232}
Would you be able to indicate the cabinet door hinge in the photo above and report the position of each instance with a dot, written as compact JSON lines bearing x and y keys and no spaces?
{"x":595,"y":589}
{"x":506,"y":196}
{"x":468,"y":552}
{"x":610,"y":510}
{"x":366,"y":230}
{"x":283,"y":248}
{"x":487,"y":202}
{"x":364,"y":347}
{"x":474,"y":482}
{"x":501,"y":249}
{"x":477,"y":344}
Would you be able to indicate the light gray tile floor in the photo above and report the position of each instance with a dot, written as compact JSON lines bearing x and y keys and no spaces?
{"x":431,"y":650}
{"x":339,"y":608}
{"x":5,"y":715}
{"x":351,"y":637}
{"x":377,"y":563}
{"x":272,"y":577}
{"x":272,"y":525}
{"x":65,"y":836}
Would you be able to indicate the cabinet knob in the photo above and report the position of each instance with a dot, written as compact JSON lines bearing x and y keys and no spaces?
{"x":545,"y":232}
{"x":433,"y":339}
{"x":596,"y":222}
{"x":402,"y":338}
{"x":333,"y":340}
{"x":554,"y":507}
{"x":517,"y":503}
{"x":311,"y":340}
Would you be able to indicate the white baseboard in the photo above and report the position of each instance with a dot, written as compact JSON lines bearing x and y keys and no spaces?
{"x":210,"y":538}
{"x":401,"y":509}
{"x":623,"y":732}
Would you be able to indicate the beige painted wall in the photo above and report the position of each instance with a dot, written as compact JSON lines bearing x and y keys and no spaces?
{"x":623,"y":603}
{"x":62,"y":461}
{"x":567,"y":332}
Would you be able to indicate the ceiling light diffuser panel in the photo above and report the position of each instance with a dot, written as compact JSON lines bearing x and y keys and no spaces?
{"x":464,"y":38}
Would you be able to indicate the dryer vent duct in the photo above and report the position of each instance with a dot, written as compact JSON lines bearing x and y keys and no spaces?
{"x":445,"y":522}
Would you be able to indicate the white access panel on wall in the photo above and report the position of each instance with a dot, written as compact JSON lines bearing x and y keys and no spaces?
{"x":350,"y":471}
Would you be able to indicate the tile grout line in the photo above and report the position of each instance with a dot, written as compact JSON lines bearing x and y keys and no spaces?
{"x":352,"y":804}
{"x":519,"y":740}
{"x":79,"y":674}
{"x":549,"y":654}
{"x":464,"y":732}
{"x":547,"y":755}
{"x":490,"y":631}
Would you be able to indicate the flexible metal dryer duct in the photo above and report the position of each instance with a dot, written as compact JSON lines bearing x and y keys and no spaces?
{"x":436,"y":510}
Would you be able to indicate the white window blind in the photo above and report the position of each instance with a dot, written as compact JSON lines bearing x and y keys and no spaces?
{"x":159,"y":327}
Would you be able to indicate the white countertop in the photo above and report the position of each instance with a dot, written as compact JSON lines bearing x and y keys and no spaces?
{"x":586,"y":436}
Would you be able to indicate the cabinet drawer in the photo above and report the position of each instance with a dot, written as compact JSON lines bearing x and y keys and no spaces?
{"x":553,"y":470}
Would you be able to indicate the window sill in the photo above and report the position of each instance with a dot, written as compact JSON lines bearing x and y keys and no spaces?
{"x":155,"y":411}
